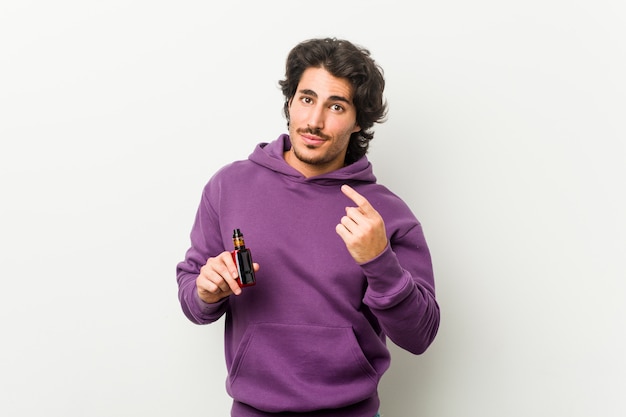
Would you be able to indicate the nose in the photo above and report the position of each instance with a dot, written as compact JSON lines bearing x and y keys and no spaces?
{"x":316,"y":117}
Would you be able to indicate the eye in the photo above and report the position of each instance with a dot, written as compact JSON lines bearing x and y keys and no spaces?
{"x":306,"y":100}
{"x":336,"y":107}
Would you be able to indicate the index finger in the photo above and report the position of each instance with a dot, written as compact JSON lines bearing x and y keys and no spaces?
{"x":357,"y":198}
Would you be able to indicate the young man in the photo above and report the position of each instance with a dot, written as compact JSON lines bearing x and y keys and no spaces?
{"x":341,"y":262}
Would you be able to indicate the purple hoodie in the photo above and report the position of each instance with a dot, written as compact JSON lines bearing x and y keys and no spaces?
{"x":310,"y":335}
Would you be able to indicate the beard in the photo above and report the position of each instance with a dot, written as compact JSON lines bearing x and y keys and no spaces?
{"x":316,"y":156}
{"x":316,"y":159}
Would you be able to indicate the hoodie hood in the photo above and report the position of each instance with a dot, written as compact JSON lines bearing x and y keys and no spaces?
{"x":270,"y":156}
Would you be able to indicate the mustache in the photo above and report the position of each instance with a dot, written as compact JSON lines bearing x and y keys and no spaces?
{"x":316,"y":132}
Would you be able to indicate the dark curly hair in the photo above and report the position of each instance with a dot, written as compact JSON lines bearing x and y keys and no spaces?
{"x":345,"y":60}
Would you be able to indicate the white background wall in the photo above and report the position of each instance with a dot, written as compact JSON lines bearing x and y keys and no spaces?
{"x":506,"y":136}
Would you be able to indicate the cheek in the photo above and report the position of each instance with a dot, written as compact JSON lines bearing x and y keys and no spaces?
{"x":296,"y":116}
{"x":345,"y":130}
{"x":343,"y":125}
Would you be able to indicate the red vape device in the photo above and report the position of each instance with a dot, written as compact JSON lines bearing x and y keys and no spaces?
{"x":243,"y":259}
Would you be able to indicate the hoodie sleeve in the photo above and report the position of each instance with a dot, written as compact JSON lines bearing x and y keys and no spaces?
{"x":205,"y":242}
{"x":401,"y":292}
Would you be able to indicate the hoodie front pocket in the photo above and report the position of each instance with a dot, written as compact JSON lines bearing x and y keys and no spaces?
{"x":285,"y":367}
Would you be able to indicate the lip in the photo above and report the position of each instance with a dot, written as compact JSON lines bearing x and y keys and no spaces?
{"x":312,"y":139}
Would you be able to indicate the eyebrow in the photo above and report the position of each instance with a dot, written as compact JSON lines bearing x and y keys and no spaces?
{"x":308,"y":92}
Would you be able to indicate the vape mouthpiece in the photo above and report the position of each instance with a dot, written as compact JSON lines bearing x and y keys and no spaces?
{"x":238,"y":239}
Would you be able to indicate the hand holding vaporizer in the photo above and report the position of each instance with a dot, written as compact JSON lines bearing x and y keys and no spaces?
{"x":227,"y":273}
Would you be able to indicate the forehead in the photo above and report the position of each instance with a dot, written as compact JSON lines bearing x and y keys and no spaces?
{"x":324,"y":85}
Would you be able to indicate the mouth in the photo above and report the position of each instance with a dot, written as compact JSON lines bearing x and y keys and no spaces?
{"x":312,"y":138}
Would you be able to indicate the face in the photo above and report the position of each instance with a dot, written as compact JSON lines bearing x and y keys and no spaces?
{"x":321,"y":120}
